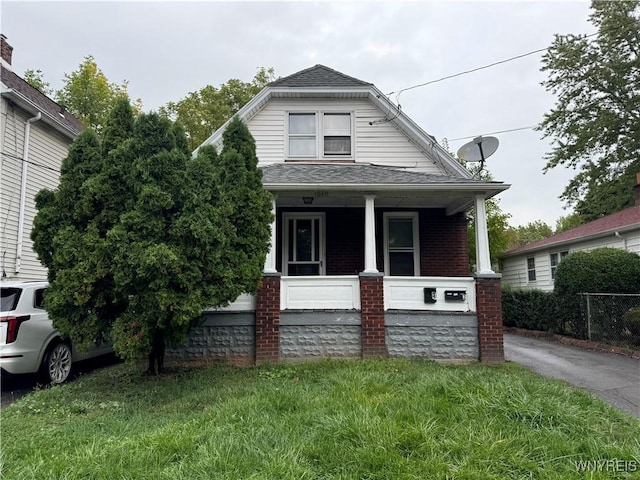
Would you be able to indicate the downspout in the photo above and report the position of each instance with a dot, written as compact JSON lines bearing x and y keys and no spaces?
{"x":23,"y":189}
{"x":624,"y":240}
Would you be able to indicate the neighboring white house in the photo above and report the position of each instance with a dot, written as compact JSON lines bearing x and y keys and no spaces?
{"x":534,"y":265}
{"x":369,"y":248}
{"x":35,"y":135}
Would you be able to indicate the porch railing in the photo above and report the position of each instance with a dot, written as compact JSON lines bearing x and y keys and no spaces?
{"x":244,"y":303}
{"x":313,"y":292}
{"x":408,"y":293}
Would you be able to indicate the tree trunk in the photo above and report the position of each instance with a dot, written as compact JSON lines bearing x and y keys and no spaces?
{"x":156,"y":356}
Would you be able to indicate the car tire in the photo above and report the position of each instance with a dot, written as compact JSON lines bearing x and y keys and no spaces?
{"x":57,"y":363}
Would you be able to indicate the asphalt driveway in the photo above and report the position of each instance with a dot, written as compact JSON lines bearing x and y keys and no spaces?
{"x":614,"y":378}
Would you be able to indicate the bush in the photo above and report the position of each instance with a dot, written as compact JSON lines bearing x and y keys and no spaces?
{"x":631,"y":321}
{"x":603,"y":270}
{"x":530,"y":309}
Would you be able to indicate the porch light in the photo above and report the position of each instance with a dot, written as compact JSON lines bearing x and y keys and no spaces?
{"x":307,"y":200}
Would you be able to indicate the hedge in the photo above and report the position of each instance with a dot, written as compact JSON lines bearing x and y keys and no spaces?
{"x":531,"y":309}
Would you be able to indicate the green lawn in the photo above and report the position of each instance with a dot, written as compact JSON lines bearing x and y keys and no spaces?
{"x":387,"y":419}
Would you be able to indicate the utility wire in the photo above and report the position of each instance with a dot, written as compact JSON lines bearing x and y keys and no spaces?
{"x":15,"y":157}
{"x":533,"y":52}
{"x":493,"y":133}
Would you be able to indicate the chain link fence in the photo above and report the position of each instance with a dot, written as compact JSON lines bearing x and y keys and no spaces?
{"x":611,"y":318}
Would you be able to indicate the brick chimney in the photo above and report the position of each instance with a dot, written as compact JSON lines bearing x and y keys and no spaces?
{"x":6,"y":50}
{"x":636,"y":189}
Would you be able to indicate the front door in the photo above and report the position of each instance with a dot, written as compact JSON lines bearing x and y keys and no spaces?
{"x":303,"y":248}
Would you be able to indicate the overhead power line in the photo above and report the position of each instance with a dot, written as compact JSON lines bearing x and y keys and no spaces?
{"x":493,"y":133}
{"x":500,"y":62}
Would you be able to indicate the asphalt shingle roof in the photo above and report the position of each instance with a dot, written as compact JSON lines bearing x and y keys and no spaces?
{"x":624,"y":218}
{"x":44,"y":103}
{"x":355,"y":174}
{"x":318,"y":76}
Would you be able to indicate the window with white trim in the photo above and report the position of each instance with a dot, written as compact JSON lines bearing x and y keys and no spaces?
{"x":531,"y":269}
{"x":555,"y":259}
{"x":336,"y":134}
{"x":302,"y":135}
{"x":320,"y":135}
{"x":401,"y":244}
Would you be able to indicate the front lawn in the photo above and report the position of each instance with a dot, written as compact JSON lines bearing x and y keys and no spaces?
{"x":386,"y":419}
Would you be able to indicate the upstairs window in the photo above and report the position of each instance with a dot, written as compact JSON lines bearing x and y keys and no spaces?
{"x":531,"y":269}
{"x":302,"y":135}
{"x":337,"y":134}
{"x":319,"y":135}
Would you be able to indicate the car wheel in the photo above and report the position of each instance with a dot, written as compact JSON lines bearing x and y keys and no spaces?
{"x":56,"y":366}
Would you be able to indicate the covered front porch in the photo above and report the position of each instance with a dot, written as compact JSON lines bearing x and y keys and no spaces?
{"x":369,"y":261}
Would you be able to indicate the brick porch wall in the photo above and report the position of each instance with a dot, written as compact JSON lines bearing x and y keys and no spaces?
{"x":268,"y":319}
{"x":372,"y":315}
{"x":489,"y":307}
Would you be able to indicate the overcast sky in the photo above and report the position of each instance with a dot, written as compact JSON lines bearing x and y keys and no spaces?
{"x":167,"y":49}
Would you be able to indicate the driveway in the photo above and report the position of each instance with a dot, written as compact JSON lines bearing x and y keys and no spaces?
{"x":614,"y":378}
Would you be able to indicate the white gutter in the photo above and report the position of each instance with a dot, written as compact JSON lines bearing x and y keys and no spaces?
{"x":478,"y":188}
{"x":28,"y":105}
{"x":23,"y":189}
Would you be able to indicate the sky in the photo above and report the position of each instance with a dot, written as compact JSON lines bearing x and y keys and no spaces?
{"x":167,"y":49}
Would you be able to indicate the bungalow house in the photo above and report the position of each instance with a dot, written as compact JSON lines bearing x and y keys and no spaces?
{"x":534,"y":265}
{"x":35,"y":135}
{"x":369,"y":251}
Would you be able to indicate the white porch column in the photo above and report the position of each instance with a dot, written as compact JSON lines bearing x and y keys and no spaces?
{"x":483,"y":259}
{"x":270,"y":262}
{"x":369,"y":235}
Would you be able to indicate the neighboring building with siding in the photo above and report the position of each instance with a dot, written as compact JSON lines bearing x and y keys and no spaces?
{"x":533,"y":265}
{"x":35,"y":135}
{"x":369,"y":253}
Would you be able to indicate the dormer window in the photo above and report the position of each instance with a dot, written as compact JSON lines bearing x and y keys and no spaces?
{"x":319,"y":135}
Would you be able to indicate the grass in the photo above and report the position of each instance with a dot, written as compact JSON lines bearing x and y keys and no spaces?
{"x":386,"y":419}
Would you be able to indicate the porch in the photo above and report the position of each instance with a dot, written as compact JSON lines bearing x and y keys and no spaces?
{"x":369,"y":261}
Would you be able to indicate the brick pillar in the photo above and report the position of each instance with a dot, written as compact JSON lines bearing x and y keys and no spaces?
{"x":489,"y":306}
{"x":268,"y":319}
{"x":372,"y":309}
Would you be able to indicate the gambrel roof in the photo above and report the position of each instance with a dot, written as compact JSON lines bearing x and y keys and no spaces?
{"x":318,"y":76}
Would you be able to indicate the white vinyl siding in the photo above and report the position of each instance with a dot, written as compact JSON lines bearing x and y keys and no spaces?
{"x":380,"y":144}
{"x":514,"y":269}
{"x":47,"y":149}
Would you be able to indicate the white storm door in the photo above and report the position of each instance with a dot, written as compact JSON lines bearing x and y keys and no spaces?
{"x":304,"y":244}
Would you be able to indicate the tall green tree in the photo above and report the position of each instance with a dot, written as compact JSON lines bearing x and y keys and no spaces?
{"x":35,"y":78}
{"x":204,"y":111}
{"x":525,"y":234}
{"x":568,"y":222}
{"x":139,"y":237}
{"x":89,"y":95}
{"x":595,"y":124}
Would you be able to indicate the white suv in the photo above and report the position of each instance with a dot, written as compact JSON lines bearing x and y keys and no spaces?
{"x":28,"y":341}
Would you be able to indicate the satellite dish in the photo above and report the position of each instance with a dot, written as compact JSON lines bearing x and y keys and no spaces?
{"x":478,"y":150}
